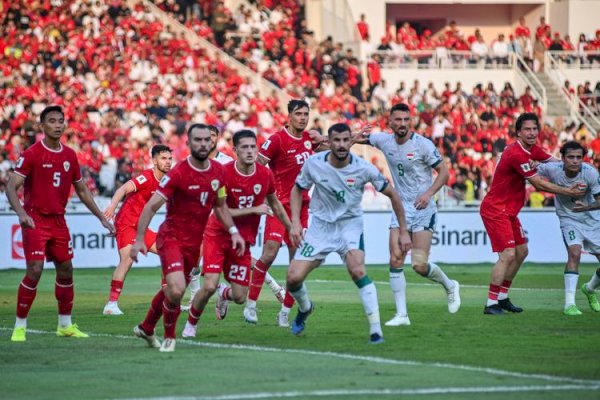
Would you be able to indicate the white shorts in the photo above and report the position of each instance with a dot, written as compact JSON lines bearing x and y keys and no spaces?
{"x":323,"y":238}
{"x":588,"y":238}
{"x":425,"y":220}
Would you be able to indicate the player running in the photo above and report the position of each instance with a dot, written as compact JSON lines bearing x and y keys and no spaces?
{"x":136,"y":193}
{"x":412,"y":159}
{"x":47,"y":170}
{"x":285,"y":152}
{"x":501,"y":205}
{"x":579,"y":229}
{"x":192,"y":189}
{"x":248,"y":185}
{"x":339,"y":178}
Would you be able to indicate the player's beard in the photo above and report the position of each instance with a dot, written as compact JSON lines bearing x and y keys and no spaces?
{"x":199,"y":156}
{"x":340,"y":158}
{"x":401,"y":133}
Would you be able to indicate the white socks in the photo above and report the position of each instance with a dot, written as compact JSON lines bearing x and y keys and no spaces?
{"x":301,"y":297}
{"x":398,"y":285}
{"x":437,"y":275}
{"x":21,"y":323}
{"x":64,"y":321}
{"x":594,"y":282}
{"x":570,"y":287}
{"x":368,"y":295}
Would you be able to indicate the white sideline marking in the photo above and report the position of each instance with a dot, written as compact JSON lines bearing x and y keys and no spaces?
{"x":346,"y":356}
{"x":377,"y":392}
{"x":437,"y":284}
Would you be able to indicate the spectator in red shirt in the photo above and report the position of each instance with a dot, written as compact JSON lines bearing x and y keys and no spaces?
{"x":363,"y":28}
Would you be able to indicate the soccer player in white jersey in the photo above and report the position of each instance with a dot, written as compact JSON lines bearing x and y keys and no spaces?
{"x":579,"y":222}
{"x":194,"y":285}
{"x":339,"y":179}
{"x":411,"y":159}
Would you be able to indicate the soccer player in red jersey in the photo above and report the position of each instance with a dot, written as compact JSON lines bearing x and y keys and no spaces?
{"x":136,"y":192}
{"x":192,"y":189}
{"x":285,"y":153}
{"x":501,"y":205}
{"x":47,"y":170}
{"x":248,"y":184}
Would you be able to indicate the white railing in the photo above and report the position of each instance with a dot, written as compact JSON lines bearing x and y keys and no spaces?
{"x":588,"y":59}
{"x":580,"y":112}
{"x":523,"y":70}
{"x":441,"y":58}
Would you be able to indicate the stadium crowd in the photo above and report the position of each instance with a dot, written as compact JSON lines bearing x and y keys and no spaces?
{"x":126,"y":83}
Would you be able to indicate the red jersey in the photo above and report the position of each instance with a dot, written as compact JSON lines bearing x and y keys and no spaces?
{"x":507,"y":192}
{"x":286,"y":154}
{"x":145,"y":185}
{"x":48,"y":175}
{"x":244,"y":191}
{"x":191,"y":194}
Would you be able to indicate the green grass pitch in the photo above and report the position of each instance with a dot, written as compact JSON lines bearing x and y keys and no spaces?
{"x":539,"y":354}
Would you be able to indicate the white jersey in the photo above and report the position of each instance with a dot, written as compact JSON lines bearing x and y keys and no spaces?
{"x":222,"y":158}
{"x":338,"y":191}
{"x":555,"y":173}
{"x":411,"y":167}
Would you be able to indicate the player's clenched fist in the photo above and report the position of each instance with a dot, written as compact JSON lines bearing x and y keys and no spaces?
{"x":138,"y":246}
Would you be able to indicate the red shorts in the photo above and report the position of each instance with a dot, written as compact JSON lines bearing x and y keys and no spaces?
{"x":49,"y":239}
{"x":126,"y":236}
{"x":176,"y":257}
{"x":274,"y":229}
{"x":219,"y":256}
{"x":505,"y":232}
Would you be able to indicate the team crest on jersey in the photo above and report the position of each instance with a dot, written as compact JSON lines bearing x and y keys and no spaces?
{"x":67,"y":165}
{"x":141,"y":179}
{"x":410,"y":156}
{"x":350,"y":182}
{"x":164,"y":181}
{"x":266,"y":145}
{"x":214,"y":184}
{"x":526,"y":167}
{"x":307,"y":144}
{"x":257,"y":188}
{"x":20,"y":162}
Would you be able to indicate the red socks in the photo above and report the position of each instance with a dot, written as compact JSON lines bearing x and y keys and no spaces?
{"x":63,"y":291}
{"x":115,"y":290}
{"x":25,"y":296}
{"x":154,"y":313}
{"x":258,"y":279}
{"x":170,"y":314}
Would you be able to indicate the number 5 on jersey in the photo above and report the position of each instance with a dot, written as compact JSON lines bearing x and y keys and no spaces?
{"x":56,"y":179}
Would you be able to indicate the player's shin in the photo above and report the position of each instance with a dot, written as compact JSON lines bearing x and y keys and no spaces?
{"x":258,"y":279}
{"x":571,"y":278}
{"x":64,"y":293}
{"x":398,"y":285}
{"x":368,"y":296}
{"x":25,"y":297}
{"x":300,"y":294}
{"x":154,"y":313}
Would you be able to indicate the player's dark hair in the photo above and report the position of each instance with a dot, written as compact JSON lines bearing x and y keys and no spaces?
{"x":526,"y":117}
{"x":196,"y":126}
{"x":294,"y":105}
{"x":571,"y":145}
{"x":159,"y":148}
{"x":50,"y":109}
{"x":214,"y":129}
{"x":341,"y":127}
{"x":400,"y":107}
{"x":244,"y":133}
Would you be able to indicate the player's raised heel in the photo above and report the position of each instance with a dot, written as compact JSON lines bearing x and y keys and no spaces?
{"x":507,"y":305}
{"x":376,"y":338}
{"x":398,"y":320}
{"x":222,"y":304}
{"x":152,"y":340}
{"x":167,"y":346}
{"x":250,"y":315}
{"x":591,"y":298}
{"x":299,"y":323}
{"x":572,"y":311}
{"x":19,"y":335}
{"x":71,"y":331}
{"x":494,"y":309}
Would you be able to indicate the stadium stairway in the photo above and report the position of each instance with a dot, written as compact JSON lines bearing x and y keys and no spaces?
{"x":558,"y":106}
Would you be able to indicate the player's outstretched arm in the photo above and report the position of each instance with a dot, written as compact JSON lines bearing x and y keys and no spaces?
{"x":319,"y":141}
{"x":150,"y":209}
{"x":119,"y":195}
{"x":223,"y":214}
{"x":405,"y":242}
{"x":86,"y":198}
{"x":580,"y":206}
{"x":15,"y":181}
{"x":295,"y":207}
{"x":362,"y":136}
{"x":262,"y":209}
{"x":545,"y":186}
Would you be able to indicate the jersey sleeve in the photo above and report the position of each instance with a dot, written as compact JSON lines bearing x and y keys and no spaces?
{"x":377,"y":139}
{"x":431,"y":154}
{"x":270,"y":182}
{"x":140,"y":181}
{"x":270,"y":148}
{"x":379,"y":181}
{"x":305,"y":179}
{"x":168,"y":185}
{"x":24,"y":164}
{"x":545,"y":170}
{"x":593,"y":180}
{"x":520,"y":163}
{"x":538,"y":154}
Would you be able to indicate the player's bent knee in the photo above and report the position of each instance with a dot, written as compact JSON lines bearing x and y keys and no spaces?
{"x":508,"y":255}
{"x":239,"y":298}
{"x":420,"y":269}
